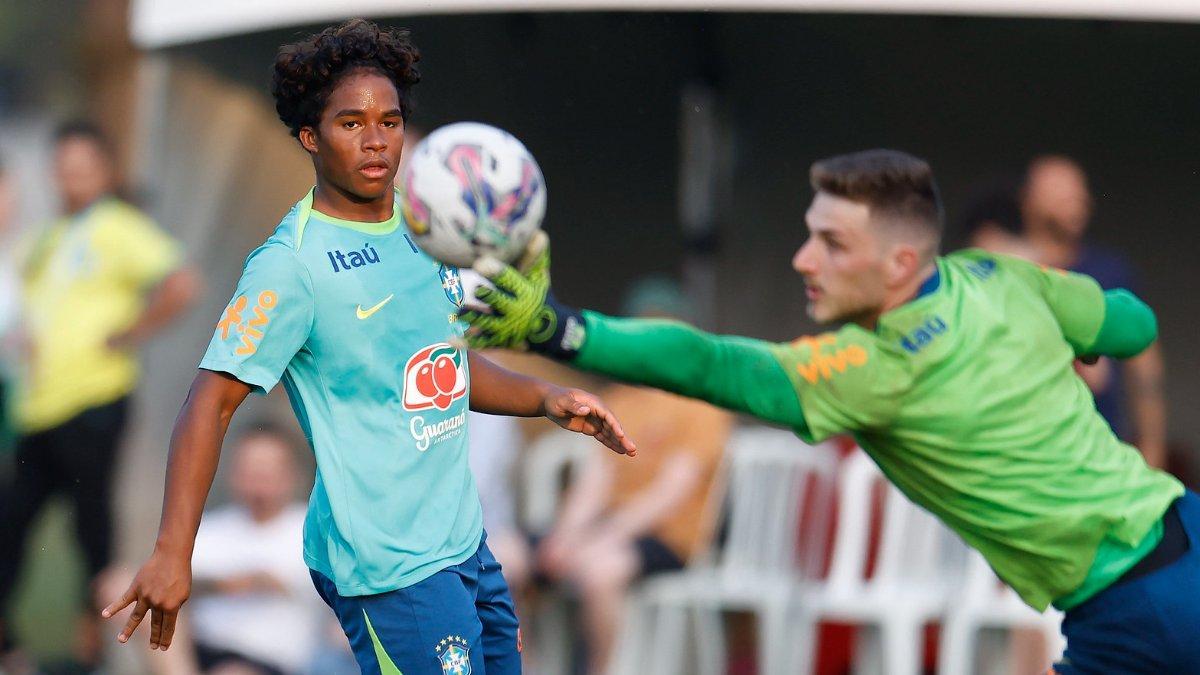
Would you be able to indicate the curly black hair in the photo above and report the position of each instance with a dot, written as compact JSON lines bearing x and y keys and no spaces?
{"x":307,"y":71}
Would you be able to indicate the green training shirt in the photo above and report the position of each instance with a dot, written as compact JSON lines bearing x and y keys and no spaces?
{"x":966,"y":398}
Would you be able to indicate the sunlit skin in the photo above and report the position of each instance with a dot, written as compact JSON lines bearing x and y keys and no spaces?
{"x":856,"y":269}
{"x":83,"y":171}
{"x":356,"y":148}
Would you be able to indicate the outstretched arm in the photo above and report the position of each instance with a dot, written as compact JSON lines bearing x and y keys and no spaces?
{"x":733,"y":372}
{"x":163,"y":584}
{"x":500,"y":391}
{"x":737,"y":373}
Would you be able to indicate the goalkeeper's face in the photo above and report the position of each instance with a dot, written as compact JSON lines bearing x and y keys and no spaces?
{"x":845,"y":262}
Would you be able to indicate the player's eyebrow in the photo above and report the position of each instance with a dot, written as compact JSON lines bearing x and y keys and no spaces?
{"x":352,"y":112}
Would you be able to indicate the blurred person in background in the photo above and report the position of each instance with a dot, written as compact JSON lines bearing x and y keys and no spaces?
{"x":992,"y":220}
{"x":253,"y":611}
{"x":9,"y":302}
{"x":1056,"y":209}
{"x":494,"y":443}
{"x":96,"y":285}
{"x":623,"y":521}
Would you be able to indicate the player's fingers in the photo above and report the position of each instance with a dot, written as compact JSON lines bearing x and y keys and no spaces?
{"x":156,"y":622}
{"x":168,"y":630}
{"x":485,"y":324}
{"x":535,"y":251}
{"x":499,"y":301}
{"x":575,"y":404}
{"x":122,"y":603}
{"x":489,"y":267}
{"x":510,"y":282}
{"x":139,"y":611}
{"x":608,"y":421}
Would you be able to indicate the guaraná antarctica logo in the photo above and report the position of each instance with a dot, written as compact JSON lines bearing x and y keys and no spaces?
{"x":434,"y":378}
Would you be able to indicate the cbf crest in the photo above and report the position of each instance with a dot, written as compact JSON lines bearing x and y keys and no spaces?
{"x":451,"y":284}
{"x":455,"y":655}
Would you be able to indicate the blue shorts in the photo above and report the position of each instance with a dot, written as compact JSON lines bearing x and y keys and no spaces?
{"x":1150,"y":624}
{"x":457,"y":622}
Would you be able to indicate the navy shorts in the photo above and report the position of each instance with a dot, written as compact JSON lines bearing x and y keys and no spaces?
{"x":1148,"y":624}
{"x":457,"y":622}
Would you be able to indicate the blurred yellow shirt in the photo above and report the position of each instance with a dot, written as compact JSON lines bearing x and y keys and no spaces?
{"x":85,"y":279}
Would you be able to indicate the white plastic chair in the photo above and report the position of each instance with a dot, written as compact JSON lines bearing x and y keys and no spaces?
{"x":773,"y":479}
{"x":984,"y":602}
{"x":551,"y":455}
{"x":918,"y":565}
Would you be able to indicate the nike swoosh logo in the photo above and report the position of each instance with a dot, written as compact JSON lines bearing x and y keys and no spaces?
{"x":366,"y":313}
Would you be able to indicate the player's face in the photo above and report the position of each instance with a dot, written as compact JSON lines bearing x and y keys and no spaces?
{"x":356,"y":147}
{"x":83,"y":172}
{"x":842,"y":262}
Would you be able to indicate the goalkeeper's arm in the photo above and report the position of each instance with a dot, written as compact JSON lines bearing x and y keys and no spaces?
{"x":1129,"y":327}
{"x":733,"y":372}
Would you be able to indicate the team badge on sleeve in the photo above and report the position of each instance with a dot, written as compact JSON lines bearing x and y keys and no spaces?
{"x":247,"y":325}
{"x":455,"y":655}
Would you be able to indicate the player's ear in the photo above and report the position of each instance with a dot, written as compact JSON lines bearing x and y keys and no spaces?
{"x":902,"y":264}
{"x":308,"y":138}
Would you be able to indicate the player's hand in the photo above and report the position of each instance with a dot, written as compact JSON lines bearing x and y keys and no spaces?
{"x":581,"y":412}
{"x":518,"y":302}
{"x":161,"y":587}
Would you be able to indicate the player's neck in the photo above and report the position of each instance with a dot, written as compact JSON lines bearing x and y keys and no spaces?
{"x":901,"y":295}
{"x":338,"y":203}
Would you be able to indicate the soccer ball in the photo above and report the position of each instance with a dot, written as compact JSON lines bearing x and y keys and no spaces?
{"x":470,"y":190}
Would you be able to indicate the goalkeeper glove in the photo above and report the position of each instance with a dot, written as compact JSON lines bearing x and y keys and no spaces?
{"x":525,"y":314}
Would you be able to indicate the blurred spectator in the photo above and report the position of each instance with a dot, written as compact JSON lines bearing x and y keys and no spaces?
{"x":992,"y":220}
{"x":1056,"y":207}
{"x":252,"y":610}
{"x":624,"y":519}
{"x":8,"y":302}
{"x":97,"y":283}
{"x":495,"y":441}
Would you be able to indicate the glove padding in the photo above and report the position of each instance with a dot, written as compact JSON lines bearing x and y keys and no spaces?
{"x":525,"y":314}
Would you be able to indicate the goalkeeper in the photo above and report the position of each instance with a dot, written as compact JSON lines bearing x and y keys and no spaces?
{"x":955,"y":374}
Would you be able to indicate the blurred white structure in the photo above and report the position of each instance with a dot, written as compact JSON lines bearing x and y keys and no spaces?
{"x":778,"y":512}
{"x":983,"y":602}
{"x":160,"y":23}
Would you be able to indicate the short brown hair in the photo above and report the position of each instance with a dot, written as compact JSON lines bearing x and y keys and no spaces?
{"x":890,"y":182}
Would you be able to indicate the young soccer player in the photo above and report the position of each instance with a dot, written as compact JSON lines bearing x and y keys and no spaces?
{"x":955,"y":374}
{"x":361,"y":328}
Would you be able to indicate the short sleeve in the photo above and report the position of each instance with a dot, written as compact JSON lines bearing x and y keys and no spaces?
{"x":267,"y":321}
{"x":139,"y":249}
{"x":1076,"y":300}
{"x":844,"y":383}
